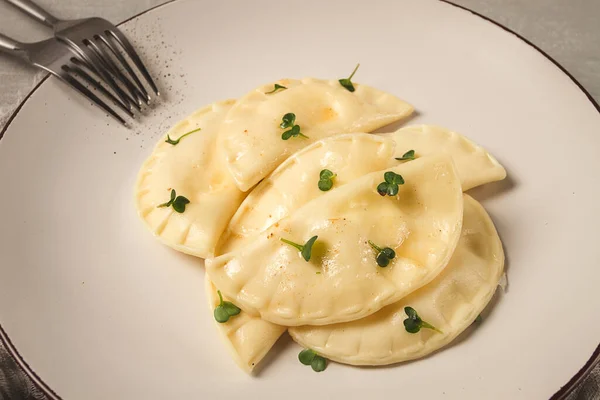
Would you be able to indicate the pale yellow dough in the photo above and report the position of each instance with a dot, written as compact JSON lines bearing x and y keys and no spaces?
{"x":196,"y":170}
{"x":295,"y":182}
{"x":451,"y":303}
{"x":251,"y":135}
{"x":475,"y":165}
{"x":342,"y":282}
{"x":248,"y":338}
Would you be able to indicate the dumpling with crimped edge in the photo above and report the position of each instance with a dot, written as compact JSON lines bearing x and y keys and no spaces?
{"x":342,"y":281}
{"x":475,"y":165}
{"x":248,"y":338}
{"x":295,"y":182}
{"x":195,"y":170}
{"x":251,"y":135}
{"x":451,"y":302}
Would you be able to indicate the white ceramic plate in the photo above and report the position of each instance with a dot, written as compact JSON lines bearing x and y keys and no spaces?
{"x":100,"y":310}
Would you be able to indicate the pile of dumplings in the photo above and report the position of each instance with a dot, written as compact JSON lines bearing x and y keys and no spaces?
{"x":401,"y":260}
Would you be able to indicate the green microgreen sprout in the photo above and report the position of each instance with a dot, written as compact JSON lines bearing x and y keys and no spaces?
{"x":408,"y":156}
{"x":178,"y":202}
{"x":306,"y":249}
{"x":390,"y":186}
{"x":276,"y":88}
{"x":176,"y":142}
{"x":347,"y":82}
{"x":289,"y":121}
{"x":414,"y":323}
{"x":225,"y":310}
{"x":384,"y":255}
{"x":309,"y":357}
{"x":326,"y":180}
{"x":479,"y":319}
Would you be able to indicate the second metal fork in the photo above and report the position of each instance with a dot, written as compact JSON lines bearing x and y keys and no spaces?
{"x":58,"y":59}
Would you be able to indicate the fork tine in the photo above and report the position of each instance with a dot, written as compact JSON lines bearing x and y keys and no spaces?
{"x":95,"y":84}
{"x":136,"y":97}
{"x":95,"y":63}
{"x":66,"y":77}
{"x":105,"y":74}
{"x":142,"y":90}
{"x":122,"y":40}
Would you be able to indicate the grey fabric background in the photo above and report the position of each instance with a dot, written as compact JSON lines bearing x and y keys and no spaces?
{"x":568,"y":30}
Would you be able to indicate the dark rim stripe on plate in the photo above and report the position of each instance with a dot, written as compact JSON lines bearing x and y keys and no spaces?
{"x":568,"y":388}
{"x":560,"y":395}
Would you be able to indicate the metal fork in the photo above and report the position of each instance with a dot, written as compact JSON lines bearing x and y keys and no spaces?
{"x":96,"y":39}
{"x":59,"y":59}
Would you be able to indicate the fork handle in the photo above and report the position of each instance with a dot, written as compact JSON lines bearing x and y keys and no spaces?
{"x":9,"y":45}
{"x":37,"y":12}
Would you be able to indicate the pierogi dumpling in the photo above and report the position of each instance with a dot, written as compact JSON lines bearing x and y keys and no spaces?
{"x":474,"y":164}
{"x":251,"y":136}
{"x":451,"y":302}
{"x":248,"y":338}
{"x":342,"y":281}
{"x":196,"y":170}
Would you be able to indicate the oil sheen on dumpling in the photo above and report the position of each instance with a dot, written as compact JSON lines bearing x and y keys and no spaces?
{"x":251,"y":134}
{"x":451,"y":302}
{"x":342,"y":281}
{"x":475,"y":165}
{"x":248,"y":338}
{"x":196,"y":170}
{"x":295,"y":182}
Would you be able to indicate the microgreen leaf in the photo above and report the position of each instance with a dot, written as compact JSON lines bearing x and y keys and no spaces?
{"x":389,"y":253}
{"x":232,"y":309}
{"x":414,"y":323}
{"x":294,"y":132}
{"x":392,"y":189}
{"x":316,"y":362}
{"x":286,"y":135}
{"x":221,"y":315}
{"x":176,"y":142}
{"x":391,"y":185}
{"x":409,"y":155}
{"x":392,"y":177}
{"x":225,"y":310}
{"x":305,"y":249}
{"x":306,"y":356}
{"x":326,"y":180}
{"x":288,"y":120}
{"x":384,"y":255}
{"x":276,"y":88}
{"x":325,"y":185}
{"x":178,"y":202}
{"x":382,"y":188}
{"x":347,"y":82}
{"x":479,"y":319}
{"x":326,"y":174}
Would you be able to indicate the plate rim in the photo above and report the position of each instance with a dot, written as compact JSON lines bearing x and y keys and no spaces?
{"x":564,"y":391}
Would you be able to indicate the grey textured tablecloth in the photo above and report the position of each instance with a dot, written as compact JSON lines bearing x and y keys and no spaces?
{"x":568,"y":30}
